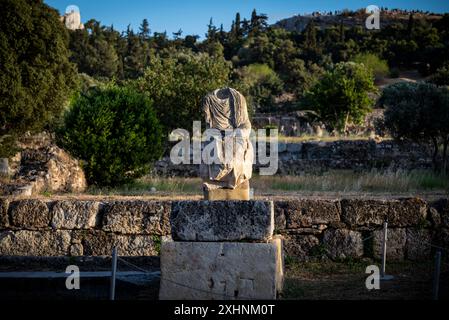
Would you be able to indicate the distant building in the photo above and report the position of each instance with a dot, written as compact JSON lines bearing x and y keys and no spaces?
{"x":72,"y":20}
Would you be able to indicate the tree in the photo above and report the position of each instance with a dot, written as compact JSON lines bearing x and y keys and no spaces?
{"x":93,"y":50}
{"x":36,"y":77}
{"x":115,"y":132}
{"x":144,"y":30}
{"x":371,"y":61}
{"x":260,"y":84}
{"x":342,"y":95}
{"x":419,"y":112}
{"x":178,"y":81}
{"x":258,"y":23}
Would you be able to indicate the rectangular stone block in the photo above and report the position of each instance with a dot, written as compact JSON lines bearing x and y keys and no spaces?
{"x":137,"y":217}
{"x":34,"y":243}
{"x":221,"y":271}
{"x":222,"y":220}
{"x":306,"y":213}
{"x":99,"y":243}
{"x":239,"y":194}
{"x":4,"y":220}
{"x":400,"y":213}
{"x":396,"y":239}
{"x":29,"y":214}
{"x":74,"y":214}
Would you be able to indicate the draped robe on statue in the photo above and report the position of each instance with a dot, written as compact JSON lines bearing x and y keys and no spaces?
{"x":226,"y":111}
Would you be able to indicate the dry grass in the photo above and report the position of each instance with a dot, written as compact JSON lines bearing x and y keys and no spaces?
{"x":325,"y":138}
{"x":338,"y":181}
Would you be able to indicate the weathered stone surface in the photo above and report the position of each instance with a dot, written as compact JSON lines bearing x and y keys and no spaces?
{"x":396,"y":240}
{"x":300,"y":246}
{"x":306,"y":213}
{"x":99,"y":243}
{"x":221,"y":271}
{"x":418,"y":245}
{"x":341,"y":244}
{"x":46,"y":167}
{"x":441,"y":238}
{"x":29,"y":214}
{"x":442,"y":206}
{"x":4,"y":220}
{"x":400,"y":213}
{"x":76,"y":250}
{"x":222,"y":220}
{"x":137,"y":217}
{"x":74,"y":214}
{"x":34,"y":243}
{"x":434,"y":217}
{"x":307,"y":157}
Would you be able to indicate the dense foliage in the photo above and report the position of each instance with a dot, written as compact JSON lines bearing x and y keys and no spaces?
{"x":419,"y":112}
{"x":342,"y":95}
{"x":178,"y":81}
{"x":115,"y":132}
{"x":36,"y":77}
{"x":297,"y":58}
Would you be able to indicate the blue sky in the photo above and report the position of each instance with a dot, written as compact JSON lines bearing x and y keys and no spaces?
{"x":193,"y":16}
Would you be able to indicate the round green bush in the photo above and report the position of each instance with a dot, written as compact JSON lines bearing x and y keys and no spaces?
{"x":115,"y":132}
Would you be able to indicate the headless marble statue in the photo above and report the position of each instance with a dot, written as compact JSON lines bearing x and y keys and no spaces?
{"x":228,"y":178}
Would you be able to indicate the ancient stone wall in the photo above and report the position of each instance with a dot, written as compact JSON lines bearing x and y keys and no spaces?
{"x":298,"y":158}
{"x":312,"y":229}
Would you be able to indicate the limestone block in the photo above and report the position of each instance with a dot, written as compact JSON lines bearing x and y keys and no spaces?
{"x":29,"y":214}
{"x":74,"y":214}
{"x":442,"y":207}
{"x":300,"y":246}
{"x":418,"y":245}
{"x":137,"y":217}
{"x":306,"y":213}
{"x":99,"y":243}
{"x":222,"y":220}
{"x":342,"y":244}
{"x":237,"y":194}
{"x":34,"y":243}
{"x":221,"y":270}
{"x":396,"y":239}
{"x":400,"y":213}
{"x":4,"y":220}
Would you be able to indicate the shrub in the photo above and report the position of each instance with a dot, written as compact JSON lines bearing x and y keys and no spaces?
{"x":376,"y":65}
{"x":115,"y":132}
{"x":342,"y":95}
{"x":441,"y":76}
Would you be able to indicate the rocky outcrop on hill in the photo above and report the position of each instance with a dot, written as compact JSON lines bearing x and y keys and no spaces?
{"x":42,"y":166}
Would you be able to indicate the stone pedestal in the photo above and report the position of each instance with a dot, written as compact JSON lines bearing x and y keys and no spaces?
{"x":242,"y":192}
{"x":205,"y":261}
{"x":221,"y":270}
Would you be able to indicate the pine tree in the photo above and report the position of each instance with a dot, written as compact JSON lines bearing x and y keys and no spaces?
{"x":144,"y":30}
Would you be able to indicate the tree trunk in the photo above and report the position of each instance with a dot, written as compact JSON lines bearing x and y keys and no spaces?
{"x":4,"y":167}
{"x":346,"y":123}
